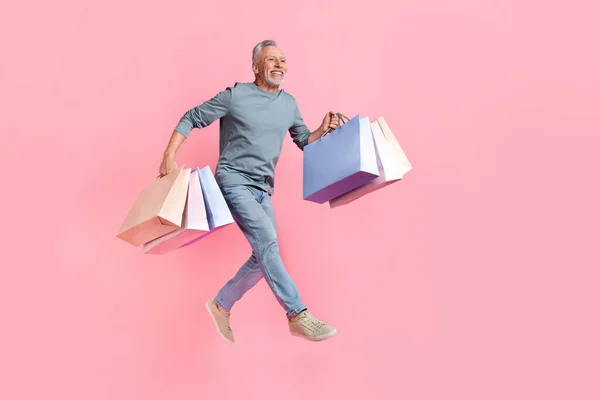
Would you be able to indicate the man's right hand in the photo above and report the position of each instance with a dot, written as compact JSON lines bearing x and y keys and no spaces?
{"x":167,"y":165}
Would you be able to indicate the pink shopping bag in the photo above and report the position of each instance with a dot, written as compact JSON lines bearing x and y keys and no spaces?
{"x":158,"y":209}
{"x":195,"y":221}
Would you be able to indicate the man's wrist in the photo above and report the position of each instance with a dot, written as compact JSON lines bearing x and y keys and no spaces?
{"x":319,"y":132}
{"x":316,"y":135}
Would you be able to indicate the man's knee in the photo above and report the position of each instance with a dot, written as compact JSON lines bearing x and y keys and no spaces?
{"x":268,"y":248}
{"x":253,"y":261}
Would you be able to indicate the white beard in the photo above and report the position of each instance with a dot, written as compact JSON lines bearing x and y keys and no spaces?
{"x":272,"y":82}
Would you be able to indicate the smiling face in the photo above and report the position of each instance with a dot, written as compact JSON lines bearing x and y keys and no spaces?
{"x":271,"y":68}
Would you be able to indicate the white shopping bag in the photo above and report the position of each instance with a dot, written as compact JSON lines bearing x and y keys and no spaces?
{"x":391,"y":161}
{"x":217,"y":211}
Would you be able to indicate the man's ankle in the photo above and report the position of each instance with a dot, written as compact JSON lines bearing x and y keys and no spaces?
{"x":295,"y":317}
{"x":221,"y":308}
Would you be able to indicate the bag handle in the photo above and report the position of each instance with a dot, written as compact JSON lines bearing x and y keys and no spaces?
{"x":341,"y":117}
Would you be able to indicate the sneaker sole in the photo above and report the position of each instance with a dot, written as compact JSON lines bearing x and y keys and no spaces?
{"x":214,"y":320}
{"x":316,"y":338}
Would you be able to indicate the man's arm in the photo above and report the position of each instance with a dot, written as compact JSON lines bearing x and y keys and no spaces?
{"x":198,"y":117}
{"x":174,"y":143}
{"x":168,"y":163}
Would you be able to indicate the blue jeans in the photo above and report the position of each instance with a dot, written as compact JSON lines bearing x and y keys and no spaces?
{"x":252,"y":210}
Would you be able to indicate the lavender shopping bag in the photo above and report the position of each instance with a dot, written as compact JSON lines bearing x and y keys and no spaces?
{"x":340,"y":161}
{"x":217,"y":211}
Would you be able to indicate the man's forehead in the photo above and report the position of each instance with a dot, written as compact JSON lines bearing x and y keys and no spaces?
{"x":272,"y":51}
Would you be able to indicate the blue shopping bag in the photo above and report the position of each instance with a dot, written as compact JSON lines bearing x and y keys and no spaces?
{"x":339,"y":161}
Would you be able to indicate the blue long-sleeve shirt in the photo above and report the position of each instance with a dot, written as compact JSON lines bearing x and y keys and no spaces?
{"x":253,"y":125}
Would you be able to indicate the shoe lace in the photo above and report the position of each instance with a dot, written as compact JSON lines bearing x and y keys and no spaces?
{"x":311,"y":321}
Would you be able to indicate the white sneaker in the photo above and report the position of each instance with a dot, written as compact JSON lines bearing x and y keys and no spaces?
{"x":310,"y":328}
{"x":221,"y":320}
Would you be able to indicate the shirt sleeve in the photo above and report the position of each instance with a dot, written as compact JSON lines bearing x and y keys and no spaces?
{"x":206,"y":113}
{"x":299,"y":131}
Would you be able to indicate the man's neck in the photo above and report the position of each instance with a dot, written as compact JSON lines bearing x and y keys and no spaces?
{"x":265,"y":86}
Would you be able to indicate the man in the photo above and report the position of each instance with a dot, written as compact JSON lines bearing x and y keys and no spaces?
{"x":254,"y":119}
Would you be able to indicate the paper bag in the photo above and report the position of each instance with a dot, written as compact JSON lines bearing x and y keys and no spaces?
{"x":195,"y":221}
{"x":158,"y":209}
{"x":391,"y":161}
{"x":405,"y":165}
{"x":217,"y":211}
{"x":339,"y":162}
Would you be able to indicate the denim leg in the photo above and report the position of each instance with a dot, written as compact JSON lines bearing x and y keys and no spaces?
{"x":245,"y":279}
{"x":252,"y":210}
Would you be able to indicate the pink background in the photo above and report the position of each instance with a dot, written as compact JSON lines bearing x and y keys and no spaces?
{"x":474,"y":278}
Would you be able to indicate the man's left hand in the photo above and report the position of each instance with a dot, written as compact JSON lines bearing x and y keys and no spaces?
{"x":330,"y":122}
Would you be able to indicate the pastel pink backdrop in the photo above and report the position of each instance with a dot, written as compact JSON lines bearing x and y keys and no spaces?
{"x":475,"y":278}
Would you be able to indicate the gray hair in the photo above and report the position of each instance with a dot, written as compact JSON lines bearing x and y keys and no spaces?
{"x":258,"y":48}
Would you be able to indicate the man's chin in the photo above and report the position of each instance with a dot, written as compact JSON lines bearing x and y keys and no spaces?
{"x":276,"y":83}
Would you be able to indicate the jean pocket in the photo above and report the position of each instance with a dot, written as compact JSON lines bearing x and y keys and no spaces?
{"x":257,"y":193}
{"x":240,"y":193}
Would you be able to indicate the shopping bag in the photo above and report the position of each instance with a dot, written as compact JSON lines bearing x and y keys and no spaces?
{"x":405,"y":164}
{"x":217,"y":211}
{"x":158,"y":209}
{"x":339,"y":162}
{"x":195,"y":221}
{"x":391,"y":161}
